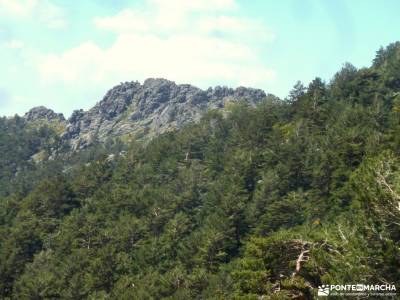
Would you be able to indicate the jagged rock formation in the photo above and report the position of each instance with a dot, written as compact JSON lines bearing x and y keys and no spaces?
{"x":41,"y":113}
{"x":134,"y":110}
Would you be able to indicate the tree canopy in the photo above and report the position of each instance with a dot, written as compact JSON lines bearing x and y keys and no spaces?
{"x":268,"y":201}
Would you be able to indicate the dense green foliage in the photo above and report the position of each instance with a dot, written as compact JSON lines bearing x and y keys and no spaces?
{"x":19,"y":143}
{"x":222,"y":209}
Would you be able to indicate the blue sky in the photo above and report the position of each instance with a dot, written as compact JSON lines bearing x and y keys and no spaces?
{"x":66,"y":54}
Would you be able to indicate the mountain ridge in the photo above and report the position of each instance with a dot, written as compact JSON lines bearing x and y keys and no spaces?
{"x":132,"y":110}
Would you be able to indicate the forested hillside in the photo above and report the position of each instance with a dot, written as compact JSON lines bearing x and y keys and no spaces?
{"x":19,"y":142}
{"x":264,"y":202}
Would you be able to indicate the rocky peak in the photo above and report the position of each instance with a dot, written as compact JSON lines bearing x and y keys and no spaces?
{"x":156,"y":83}
{"x":43,"y":113}
{"x":76,"y":116}
{"x":116,"y":100}
{"x":158,"y":105}
{"x":247,"y":94}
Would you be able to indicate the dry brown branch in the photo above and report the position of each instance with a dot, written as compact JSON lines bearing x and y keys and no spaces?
{"x":342,"y":234}
{"x":382,"y":181}
{"x":303,"y":256}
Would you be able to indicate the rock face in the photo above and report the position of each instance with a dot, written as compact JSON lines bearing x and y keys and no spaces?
{"x":134,"y":110}
{"x":42,"y":113}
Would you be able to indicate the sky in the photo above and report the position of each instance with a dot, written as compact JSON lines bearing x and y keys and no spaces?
{"x":66,"y":54}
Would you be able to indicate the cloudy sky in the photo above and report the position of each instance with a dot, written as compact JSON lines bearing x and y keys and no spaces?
{"x":66,"y":54}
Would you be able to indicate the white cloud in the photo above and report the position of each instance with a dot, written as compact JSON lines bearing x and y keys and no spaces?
{"x":42,"y":11}
{"x":185,"y":6}
{"x":235,"y":26}
{"x":196,"y":4}
{"x":14,"y":44}
{"x":18,"y":7}
{"x":72,"y":65}
{"x":164,"y":14}
{"x":174,"y":39}
{"x":51,"y":14}
{"x":136,"y":56}
{"x":126,"y":21}
{"x":173,"y":14}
